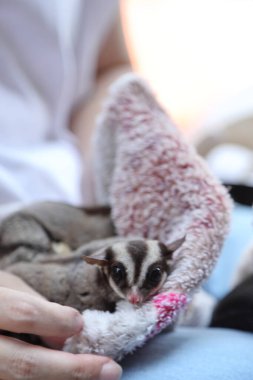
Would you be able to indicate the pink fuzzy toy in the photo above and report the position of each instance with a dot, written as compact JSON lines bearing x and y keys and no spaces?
{"x":158,"y":188}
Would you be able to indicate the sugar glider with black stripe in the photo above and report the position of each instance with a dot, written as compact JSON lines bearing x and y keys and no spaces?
{"x":135,"y":269}
{"x":101,"y":273}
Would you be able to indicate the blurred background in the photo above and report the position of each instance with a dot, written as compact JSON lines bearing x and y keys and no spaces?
{"x":198,"y":58}
{"x":197,"y":55}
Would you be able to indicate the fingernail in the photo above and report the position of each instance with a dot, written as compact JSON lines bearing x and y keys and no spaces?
{"x":110,"y":371}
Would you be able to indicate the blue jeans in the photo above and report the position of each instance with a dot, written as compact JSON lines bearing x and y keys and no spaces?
{"x":202,"y":353}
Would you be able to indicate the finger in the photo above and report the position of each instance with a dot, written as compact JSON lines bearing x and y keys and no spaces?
{"x":11,"y":281}
{"x":19,"y":360}
{"x":25,"y":313}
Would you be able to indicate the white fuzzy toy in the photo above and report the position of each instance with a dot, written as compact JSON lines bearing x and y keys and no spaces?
{"x":158,"y":188}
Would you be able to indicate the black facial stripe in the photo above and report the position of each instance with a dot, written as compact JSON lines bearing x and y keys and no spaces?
{"x":165,"y":252}
{"x":138,"y":250}
{"x":101,"y":278}
{"x":123,"y":286}
{"x":164,"y":267}
{"x":109,"y":254}
{"x":122,"y":283}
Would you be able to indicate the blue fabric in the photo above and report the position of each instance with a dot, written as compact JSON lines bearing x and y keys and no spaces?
{"x":193,"y":354}
{"x":240,"y":236}
{"x":202,"y":354}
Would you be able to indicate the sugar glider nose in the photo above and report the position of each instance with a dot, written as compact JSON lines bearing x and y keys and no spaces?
{"x":134,"y":298}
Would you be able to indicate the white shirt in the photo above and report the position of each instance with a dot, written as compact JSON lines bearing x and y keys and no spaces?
{"x":48,"y":56}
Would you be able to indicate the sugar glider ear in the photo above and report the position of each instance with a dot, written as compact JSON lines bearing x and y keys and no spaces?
{"x":93,"y":261}
{"x":169,"y":249}
{"x":172,"y":247}
{"x":97,"y":258}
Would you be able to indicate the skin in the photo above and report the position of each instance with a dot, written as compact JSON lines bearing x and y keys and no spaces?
{"x":25,"y":311}
{"x":33,"y":314}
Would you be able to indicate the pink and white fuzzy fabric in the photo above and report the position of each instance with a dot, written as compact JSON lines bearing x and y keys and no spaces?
{"x":158,"y":188}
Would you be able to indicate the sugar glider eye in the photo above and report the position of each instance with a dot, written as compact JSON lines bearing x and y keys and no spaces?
{"x":154,"y":277}
{"x":118,"y":272}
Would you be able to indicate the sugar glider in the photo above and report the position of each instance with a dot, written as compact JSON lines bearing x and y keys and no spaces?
{"x":131,"y":269}
{"x":135,"y":269}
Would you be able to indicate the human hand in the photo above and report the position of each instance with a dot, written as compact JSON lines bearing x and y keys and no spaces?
{"x":22,"y":312}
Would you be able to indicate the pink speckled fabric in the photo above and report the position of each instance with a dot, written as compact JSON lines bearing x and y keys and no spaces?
{"x":168,"y":306}
{"x":157,"y":185}
{"x":159,"y":188}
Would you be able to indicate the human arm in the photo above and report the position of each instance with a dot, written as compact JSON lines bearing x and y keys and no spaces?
{"x":113,"y":61}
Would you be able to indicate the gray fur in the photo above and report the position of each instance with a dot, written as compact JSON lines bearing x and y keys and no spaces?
{"x":44,"y":222}
{"x":35,"y":231}
{"x":45,"y":243}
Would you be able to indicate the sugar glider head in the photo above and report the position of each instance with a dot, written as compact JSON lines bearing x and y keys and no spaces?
{"x":135,"y":269}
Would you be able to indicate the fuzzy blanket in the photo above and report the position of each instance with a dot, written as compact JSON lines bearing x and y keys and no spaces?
{"x":157,"y":188}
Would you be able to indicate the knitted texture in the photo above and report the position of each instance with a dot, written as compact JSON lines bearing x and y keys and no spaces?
{"x":168,"y":305}
{"x":116,"y":334}
{"x":158,"y":188}
{"x":157,"y":185}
